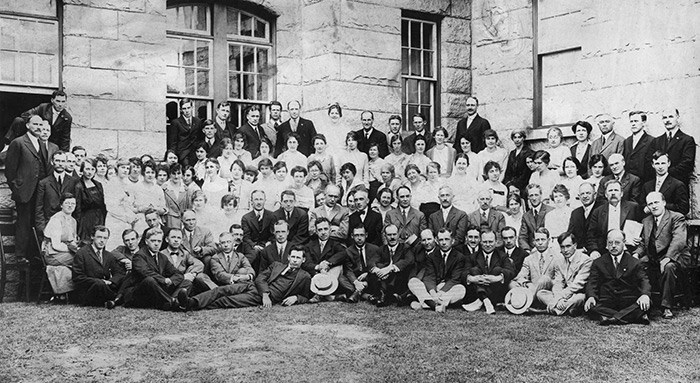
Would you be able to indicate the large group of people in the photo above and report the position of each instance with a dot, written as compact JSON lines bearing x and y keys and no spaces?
{"x":290,"y":212}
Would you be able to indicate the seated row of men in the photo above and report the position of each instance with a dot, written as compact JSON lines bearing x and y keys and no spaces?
{"x":438,"y":271}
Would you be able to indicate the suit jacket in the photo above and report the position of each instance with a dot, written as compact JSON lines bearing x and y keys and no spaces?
{"x":270,"y":254}
{"x":301,"y":287}
{"x":674,"y":191}
{"x":298,"y":224}
{"x":631,"y":188}
{"x":257,"y":233}
{"x":87,"y":268}
{"x":495,"y":221}
{"x":671,"y":240}
{"x":529,"y":225}
{"x":437,"y":271}
{"x":578,"y":224}
{"x":200,"y":237}
{"x":531,"y":270}
{"x":333,"y":253}
{"x":48,"y":198}
{"x":598,"y":223}
{"x":339,"y":218}
{"x":225,"y":131}
{"x":570,"y":276}
{"x":583,"y":166}
{"x":271,"y":131}
{"x":24,"y":168}
{"x":420,"y":258}
{"x":224,"y":270}
{"x":354,"y":265}
{"x":376,"y":136}
{"x":252,"y":141}
{"x":606,"y":283}
{"x":408,"y":145}
{"x":186,"y":262}
{"x":403,"y":257}
{"x":517,"y":172}
{"x":306,"y":131}
{"x":373,"y":224}
{"x":474,"y":133}
{"x":60,"y":129}
{"x":182,"y":138}
{"x":635,"y":158}
{"x":499,"y":264}
{"x":144,"y":266}
{"x":414,"y":223}
{"x":214,"y":150}
{"x":457,"y":222}
{"x":517,"y":257}
{"x":614,"y":144}
{"x":681,"y":153}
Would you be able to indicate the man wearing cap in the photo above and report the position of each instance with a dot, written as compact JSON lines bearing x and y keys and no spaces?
{"x":618,"y":289}
{"x":537,"y":272}
{"x":409,"y":220}
{"x":325,"y":255}
{"x":663,"y":249}
{"x":440,"y":285}
{"x":285,"y":284}
{"x":392,"y":270}
{"x":487,"y":273}
{"x":570,"y":276}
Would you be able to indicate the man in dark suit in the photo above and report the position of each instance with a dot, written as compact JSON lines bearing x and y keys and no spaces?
{"x":393,"y":268}
{"x":580,"y":217}
{"x":441,"y":283}
{"x":636,"y":146}
{"x":533,"y":219}
{"x":301,"y":126}
{"x":517,"y":171}
{"x":486,"y":275}
{"x":157,"y":280}
{"x":228,"y":266}
{"x":279,"y":249}
{"x":224,"y":127}
{"x":618,"y":288}
{"x":211,"y":142}
{"x":241,"y":246}
{"x":364,"y":216}
{"x":472,"y":127}
{"x":27,"y":162}
{"x":615,"y":211}
{"x":55,"y":113}
{"x":631,"y":184}
{"x":50,"y":190}
{"x":360,"y":258}
{"x":272,"y":125}
{"x":420,"y":256}
{"x":419,"y":130}
{"x":96,"y":272}
{"x":325,"y":254}
{"x":449,"y":216}
{"x":679,"y":146}
{"x":185,"y":262}
{"x":410,"y":221}
{"x":674,"y":191}
{"x":257,"y":226}
{"x":369,"y":134}
{"x":512,"y":251}
{"x":252,"y":131}
{"x":281,"y":283}
{"x":663,"y":249}
{"x":297,"y":218}
{"x":125,"y":255}
{"x":471,"y":243}
{"x":184,"y":133}
{"x":486,"y":217}
{"x":609,"y":142}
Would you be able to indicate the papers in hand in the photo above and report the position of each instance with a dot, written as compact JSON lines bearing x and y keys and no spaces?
{"x":632,"y":230}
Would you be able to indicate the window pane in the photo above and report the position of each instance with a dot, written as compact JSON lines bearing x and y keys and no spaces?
{"x":9,"y":29}
{"x":186,"y":17}
{"x":425,"y":92}
{"x":202,"y":54}
{"x":246,"y":25}
{"x":45,"y":69}
{"x":426,"y":112}
{"x":404,"y":33}
{"x":187,"y":47}
{"x":415,"y":62}
{"x":262,"y":88}
{"x":260,"y":28}
{"x":412,"y":109}
{"x":248,"y":84}
{"x":404,"y":60}
{"x":26,"y":67}
{"x":415,"y":34}
{"x":189,"y":81}
{"x":427,"y":36}
{"x":201,"y":18}
{"x":412,"y":91}
{"x":26,"y":38}
{"x":231,"y":21}
{"x":427,"y":64}
{"x":234,"y":85}
{"x":46,"y":39}
{"x":248,"y":59}
{"x":202,"y":82}
{"x":234,"y":57}
{"x":174,"y":78}
{"x":262,"y":60}
{"x":7,"y":66}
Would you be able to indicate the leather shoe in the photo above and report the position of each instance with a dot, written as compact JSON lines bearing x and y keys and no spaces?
{"x":607,"y":321}
{"x":354,"y":298}
{"x":315,"y":299}
{"x":667,"y":314}
{"x":338,"y":298}
{"x":183,"y":299}
{"x":110,"y":305}
{"x":645,"y":319}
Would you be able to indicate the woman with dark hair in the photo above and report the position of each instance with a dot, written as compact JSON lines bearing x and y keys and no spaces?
{"x":238,"y":149}
{"x":348,"y":172}
{"x":265,"y":152}
{"x":324,"y":159}
{"x":60,"y":244}
{"x":375,"y":164}
{"x":90,"y":208}
{"x":178,"y":196}
{"x":463,"y":178}
{"x":557,"y":220}
{"x":230,"y":212}
{"x":316,"y":179}
{"x":414,"y":181}
{"x":571,"y":179}
{"x":499,"y":191}
{"x":581,"y":150}
{"x":226,"y":158}
{"x":441,"y":153}
{"x":239,"y":187}
{"x":148,"y":195}
{"x":597,"y":169}
{"x":162,"y":174}
{"x":426,"y":195}
{"x":293,"y":157}
{"x":214,"y":186}
{"x":492,"y":152}
{"x":334,"y":131}
{"x":101,"y":167}
{"x":514,"y":213}
{"x":384,"y":202}
{"x":304,"y":196}
{"x":472,"y":159}
{"x":396,"y":156}
{"x":419,"y":158}
{"x":352,"y":155}
{"x":200,"y":169}
{"x":543,"y":175}
{"x":170,"y":157}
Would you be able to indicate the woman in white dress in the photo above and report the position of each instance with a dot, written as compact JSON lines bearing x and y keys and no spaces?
{"x":207,"y":212}
{"x":441,"y":153}
{"x":265,"y":153}
{"x":303,"y":194}
{"x":557,"y":220}
{"x":493,"y":152}
{"x":499,"y":191}
{"x":292,"y":157}
{"x":335,"y":130}
{"x":514,"y":214}
{"x":229,"y":214}
{"x":239,"y":151}
{"x":463,"y":183}
{"x":414,"y":181}
{"x":571,"y":180}
{"x":119,"y":199}
{"x":60,"y":244}
{"x":266,"y":182}
{"x":355,"y":157}
{"x":323,"y":157}
{"x":226,"y":158}
{"x":397,"y":157}
{"x":239,"y":187}
{"x":557,"y":151}
{"x":214,"y":186}
{"x":384,"y":202}
{"x":419,"y":158}
{"x":429,"y":190}
{"x":148,"y":195}
{"x":473,"y":160}
{"x":543,"y":175}
{"x":375,"y":164}
{"x":598,"y":169}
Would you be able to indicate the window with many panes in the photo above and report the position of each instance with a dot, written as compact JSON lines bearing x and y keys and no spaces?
{"x":419,"y":58}
{"x":218,"y":53}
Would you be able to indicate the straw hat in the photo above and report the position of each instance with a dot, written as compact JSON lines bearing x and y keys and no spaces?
{"x":518,"y":300}
{"x":323,"y":284}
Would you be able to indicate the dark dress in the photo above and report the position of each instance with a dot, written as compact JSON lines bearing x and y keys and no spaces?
{"x":90,"y":208}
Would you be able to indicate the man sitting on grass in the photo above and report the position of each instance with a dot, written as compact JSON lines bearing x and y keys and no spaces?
{"x":537,"y":272}
{"x":487,"y":273}
{"x":96,"y":272}
{"x":360,"y":259}
{"x":618,"y":289}
{"x":285,"y":284}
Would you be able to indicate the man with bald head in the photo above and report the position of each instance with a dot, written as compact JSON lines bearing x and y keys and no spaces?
{"x":610,"y":215}
{"x":663,"y":249}
{"x":631,"y":184}
{"x":449,"y":216}
{"x":679,"y":146}
{"x":609,"y":142}
{"x":580,"y":217}
{"x":369,"y":134}
{"x":296,"y":124}
{"x":618,"y":289}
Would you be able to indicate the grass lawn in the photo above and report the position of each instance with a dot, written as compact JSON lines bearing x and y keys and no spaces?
{"x":337,"y":342}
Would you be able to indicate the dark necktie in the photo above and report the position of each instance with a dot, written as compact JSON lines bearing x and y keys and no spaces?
{"x":99,"y":256}
{"x":603,"y":140}
{"x":651,"y":246}
{"x":362,"y":257}
{"x":43,"y":152}
{"x":616,"y":263}
{"x":60,"y":182}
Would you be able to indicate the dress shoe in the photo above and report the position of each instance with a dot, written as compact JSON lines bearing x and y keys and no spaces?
{"x":645,"y":319}
{"x":373,"y":299}
{"x":404,"y":299}
{"x":110,"y":305}
{"x":183,"y":299}
{"x":667,"y":314}
{"x":338,"y":298}
{"x":354,"y":298}
{"x":315,"y":299}
{"x":474,"y":306}
{"x":489,"y":306}
{"x":430,"y":303}
{"x":418,"y":306}
{"x":607,"y":321}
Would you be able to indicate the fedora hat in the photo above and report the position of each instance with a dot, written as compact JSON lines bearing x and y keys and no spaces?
{"x":323,"y":284}
{"x":518,"y":300}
